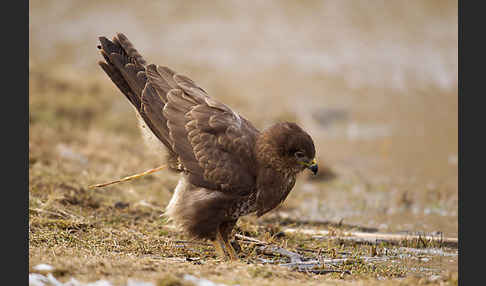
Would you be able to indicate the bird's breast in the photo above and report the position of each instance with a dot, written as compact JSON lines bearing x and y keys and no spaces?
{"x":244,"y":206}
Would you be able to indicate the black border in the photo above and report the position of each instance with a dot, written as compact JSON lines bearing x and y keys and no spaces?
{"x":470,"y":81}
{"x":15,"y":119}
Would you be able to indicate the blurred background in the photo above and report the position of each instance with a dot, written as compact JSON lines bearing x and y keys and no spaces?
{"x":373,"y":82}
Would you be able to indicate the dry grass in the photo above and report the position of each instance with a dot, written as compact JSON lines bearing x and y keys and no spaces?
{"x":117,"y":232}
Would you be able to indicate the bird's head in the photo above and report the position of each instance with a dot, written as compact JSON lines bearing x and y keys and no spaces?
{"x":294,"y":145}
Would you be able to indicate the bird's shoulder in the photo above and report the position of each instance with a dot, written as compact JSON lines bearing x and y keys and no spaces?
{"x":214,"y":143}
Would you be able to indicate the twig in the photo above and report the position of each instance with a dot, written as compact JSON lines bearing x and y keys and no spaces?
{"x":45,"y":211}
{"x":325,"y":271}
{"x":191,"y":242}
{"x":320,"y":250}
{"x":432,"y":251}
{"x":322,"y":262}
{"x":358,"y":236}
{"x":294,"y":257}
{"x":251,"y":239}
{"x":297,"y":261}
{"x":150,"y":171}
{"x":59,"y":213}
{"x":64,"y":212}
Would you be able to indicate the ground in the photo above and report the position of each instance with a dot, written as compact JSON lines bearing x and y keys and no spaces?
{"x":379,"y":98}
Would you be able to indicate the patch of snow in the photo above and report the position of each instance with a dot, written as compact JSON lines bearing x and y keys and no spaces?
{"x":201,"y":281}
{"x":36,"y":279}
{"x":68,"y":153}
{"x":43,"y":267}
{"x":132,"y":282}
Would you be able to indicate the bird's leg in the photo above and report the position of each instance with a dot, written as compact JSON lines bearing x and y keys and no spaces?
{"x":220,"y":246}
{"x":231,"y":250}
{"x":225,"y":231}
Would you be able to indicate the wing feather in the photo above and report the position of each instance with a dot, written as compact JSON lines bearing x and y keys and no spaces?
{"x":152,"y":107}
{"x":213,"y":143}
{"x":220,"y":143}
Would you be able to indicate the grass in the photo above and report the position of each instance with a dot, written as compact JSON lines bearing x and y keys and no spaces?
{"x":117,"y":232}
{"x":89,"y":235}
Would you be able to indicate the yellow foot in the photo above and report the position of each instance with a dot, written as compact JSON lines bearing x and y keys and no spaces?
{"x":231,"y":251}
{"x":224,"y":249}
{"x":219,"y":250}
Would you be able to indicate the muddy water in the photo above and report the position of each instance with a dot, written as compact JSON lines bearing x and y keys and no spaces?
{"x":374,"y":82}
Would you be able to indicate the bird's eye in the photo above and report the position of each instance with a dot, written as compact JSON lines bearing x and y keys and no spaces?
{"x":299,"y":154}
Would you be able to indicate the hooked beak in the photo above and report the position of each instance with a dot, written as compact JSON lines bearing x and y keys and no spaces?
{"x":312,"y":165}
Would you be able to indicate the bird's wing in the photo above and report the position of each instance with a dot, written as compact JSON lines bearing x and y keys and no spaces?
{"x":211,"y":142}
{"x":214,"y":143}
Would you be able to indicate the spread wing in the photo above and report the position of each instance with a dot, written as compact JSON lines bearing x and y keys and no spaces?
{"x":209,"y":141}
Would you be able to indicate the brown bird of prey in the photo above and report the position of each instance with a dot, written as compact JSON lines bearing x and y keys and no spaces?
{"x":228,"y":167}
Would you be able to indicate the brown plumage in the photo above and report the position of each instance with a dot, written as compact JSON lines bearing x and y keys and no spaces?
{"x":228,"y":167}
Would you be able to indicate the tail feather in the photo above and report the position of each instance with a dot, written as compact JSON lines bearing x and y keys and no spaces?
{"x":127,"y":69}
{"x":129,"y":72}
{"x":122,"y":40}
{"x":120,"y":82}
{"x":122,"y":68}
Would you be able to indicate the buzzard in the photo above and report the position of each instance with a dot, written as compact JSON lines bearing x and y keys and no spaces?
{"x":228,"y":167}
